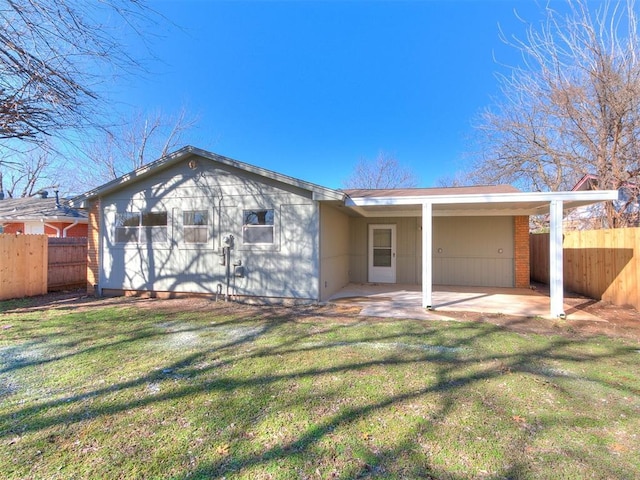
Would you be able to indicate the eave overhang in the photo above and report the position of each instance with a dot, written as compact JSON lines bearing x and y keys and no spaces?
{"x":494,"y":204}
{"x":318,"y":192}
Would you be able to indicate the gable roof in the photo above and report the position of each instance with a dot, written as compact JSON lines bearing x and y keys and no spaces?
{"x":590,"y":182}
{"x":318,"y":192}
{"x":37,"y":208}
{"x":587,"y":182}
{"x":474,"y":200}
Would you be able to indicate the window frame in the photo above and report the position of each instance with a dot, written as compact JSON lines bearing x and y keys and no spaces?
{"x":196,"y":227}
{"x":270,"y":222}
{"x":144,"y":233}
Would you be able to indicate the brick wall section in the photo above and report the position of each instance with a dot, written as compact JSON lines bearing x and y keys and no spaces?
{"x":93,"y":247}
{"x":79,"y":230}
{"x":13,"y":228}
{"x":521,"y":243}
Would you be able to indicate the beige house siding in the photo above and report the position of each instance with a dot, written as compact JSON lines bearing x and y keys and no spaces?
{"x":478,"y":251}
{"x":408,"y":248}
{"x":473,"y":251}
{"x":334,"y":250}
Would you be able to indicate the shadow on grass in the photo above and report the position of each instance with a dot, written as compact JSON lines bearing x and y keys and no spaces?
{"x":458,"y":364}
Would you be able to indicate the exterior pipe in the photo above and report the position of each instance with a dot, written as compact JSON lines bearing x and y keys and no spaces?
{"x":68,"y":227}
{"x":227,"y":260}
{"x":57,"y":229}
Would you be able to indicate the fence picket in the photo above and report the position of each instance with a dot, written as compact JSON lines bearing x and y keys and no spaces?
{"x":23,"y":265}
{"x":67,"y":263}
{"x":602,"y":264}
{"x":34,"y":264}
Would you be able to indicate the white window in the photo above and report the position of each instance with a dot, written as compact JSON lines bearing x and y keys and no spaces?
{"x":258,"y":227}
{"x":195,"y":225}
{"x":141,"y":227}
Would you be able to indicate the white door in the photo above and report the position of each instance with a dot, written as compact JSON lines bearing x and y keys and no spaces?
{"x":382,"y":253}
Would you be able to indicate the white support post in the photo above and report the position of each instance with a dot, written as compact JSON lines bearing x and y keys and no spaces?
{"x":556,"y":275}
{"x":427,"y":262}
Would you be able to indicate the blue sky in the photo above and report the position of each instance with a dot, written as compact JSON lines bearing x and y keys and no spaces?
{"x":308,"y":88}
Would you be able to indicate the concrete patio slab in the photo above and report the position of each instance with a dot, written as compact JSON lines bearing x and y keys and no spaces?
{"x":405,"y":301}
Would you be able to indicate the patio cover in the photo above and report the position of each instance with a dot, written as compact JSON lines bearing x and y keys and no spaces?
{"x":478,"y":201}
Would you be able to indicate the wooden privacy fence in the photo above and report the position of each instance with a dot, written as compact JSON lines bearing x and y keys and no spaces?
{"x":23,"y":265}
{"x":34,"y":264}
{"x":601,"y":264}
{"x":67,"y":263}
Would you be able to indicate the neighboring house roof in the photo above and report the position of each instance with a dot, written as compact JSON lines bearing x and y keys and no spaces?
{"x":318,"y":192}
{"x":626,"y":205}
{"x":587,"y":182}
{"x":590,"y":182}
{"x":37,"y":208}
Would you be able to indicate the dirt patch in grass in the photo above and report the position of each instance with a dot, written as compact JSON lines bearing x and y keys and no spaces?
{"x":616,"y":321}
{"x":623,"y":323}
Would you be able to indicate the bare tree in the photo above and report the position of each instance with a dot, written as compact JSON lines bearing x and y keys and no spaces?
{"x":134,"y":143}
{"x":53,"y":55}
{"x":572,"y":107}
{"x":105,"y":157}
{"x":458,"y":179}
{"x":34,"y":171}
{"x":384,"y":172}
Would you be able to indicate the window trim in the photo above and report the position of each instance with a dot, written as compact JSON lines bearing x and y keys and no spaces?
{"x":196,"y":227}
{"x":249,"y":226}
{"x":140,"y":227}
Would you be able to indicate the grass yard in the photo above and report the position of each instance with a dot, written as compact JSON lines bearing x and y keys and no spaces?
{"x":239,"y":392}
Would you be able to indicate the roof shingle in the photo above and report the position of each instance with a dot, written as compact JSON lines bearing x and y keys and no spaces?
{"x":36,"y":208}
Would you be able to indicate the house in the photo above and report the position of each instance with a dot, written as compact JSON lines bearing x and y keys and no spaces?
{"x":198,"y":222}
{"x":591,"y":216}
{"x":41,"y":214}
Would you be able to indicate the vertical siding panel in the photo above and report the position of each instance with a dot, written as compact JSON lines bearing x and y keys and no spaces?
{"x":471,"y":251}
{"x":334,"y":250}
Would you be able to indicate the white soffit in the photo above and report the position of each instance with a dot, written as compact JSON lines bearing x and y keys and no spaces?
{"x":514,"y":203}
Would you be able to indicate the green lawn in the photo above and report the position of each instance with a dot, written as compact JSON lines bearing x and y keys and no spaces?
{"x":122,"y":392}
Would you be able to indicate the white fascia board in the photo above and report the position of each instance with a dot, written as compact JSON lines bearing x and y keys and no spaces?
{"x":479,"y":198}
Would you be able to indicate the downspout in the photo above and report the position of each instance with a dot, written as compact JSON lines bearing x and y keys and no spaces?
{"x":227,"y":259}
{"x":57,"y":229}
{"x":69,"y":227}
